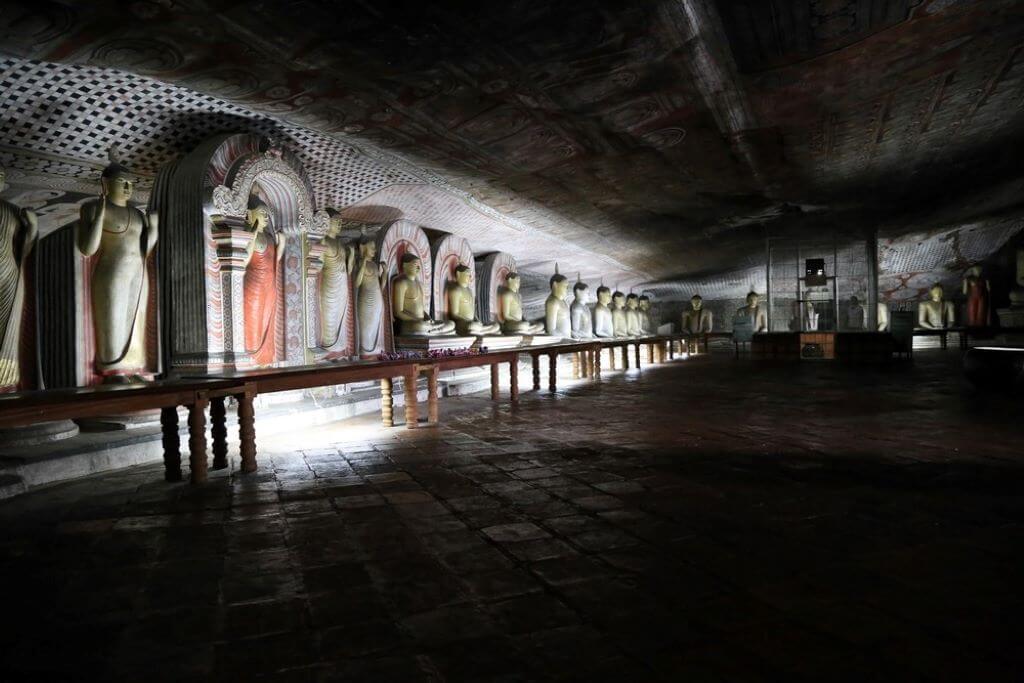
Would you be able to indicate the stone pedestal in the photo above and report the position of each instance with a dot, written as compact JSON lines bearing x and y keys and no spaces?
{"x":541,"y":339}
{"x":417,"y":343}
{"x":498,"y":342}
{"x":38,"y":434}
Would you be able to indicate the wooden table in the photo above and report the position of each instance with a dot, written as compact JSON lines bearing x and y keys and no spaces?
{"x":247,"y":384}
{"x":432,"y":367}
{"x":590,"y":366}
{"x":47,"y":405}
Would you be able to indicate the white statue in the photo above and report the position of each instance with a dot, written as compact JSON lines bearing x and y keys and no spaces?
{"x":18,"y":231}
{"x":339,"y":259}
{"x":620,"y":326}
{"x":511,"y":303}
{"x":810,"y":317}
{"x":936,"y":313}
{"x":556,"y":311}
{"x":603,"y":325}
{"x":369,"y":281}
{"x":579,"y":313}
{"x":753,"y":310}
{"x":644,"y":312}
{"x":121,"y":239}
{"x":883,"y":317}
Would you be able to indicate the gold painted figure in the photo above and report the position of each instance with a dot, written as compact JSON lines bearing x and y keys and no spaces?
{"x":936,"y":313}
{"x":407,"y":303}
{"x":512,"y":309}
{"x":620,"y":326}
{"x":603,"y":324}
{"x":121,"y":238}
{"x":462,"y":305}
{"x":368,"y":285}
{"x":18,"y":231}
{"x":698,"y":319}
{"x":754,"y":312}
{"x":556,"y":311}
{"x":579,"y":313}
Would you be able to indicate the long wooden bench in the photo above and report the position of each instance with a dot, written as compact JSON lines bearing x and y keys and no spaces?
{"x":590,"y":364}
{"x":432,"y":367}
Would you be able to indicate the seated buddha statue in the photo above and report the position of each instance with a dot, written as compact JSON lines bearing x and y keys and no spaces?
{"x":632,"y":315}
{"x":936,"y":313}
{"x":698,"y":319}
{"x":582,"y":321}
{"x":407,"y":303}
{"x":556,"y":311}
{"x":603,"y":326}
{"x":644,"y":311}
{"x":512,"y":309}
{"x":620,"y":326}
{"x":462,"y":305}
{"x":754,"y":312}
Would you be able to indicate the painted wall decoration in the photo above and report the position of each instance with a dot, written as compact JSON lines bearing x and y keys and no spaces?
{"x":449,"y":252}
{"x":491,"y":272}
{"x":393,"y":242}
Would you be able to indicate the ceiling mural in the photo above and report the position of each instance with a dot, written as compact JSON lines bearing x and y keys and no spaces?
{"x":657,"y":141}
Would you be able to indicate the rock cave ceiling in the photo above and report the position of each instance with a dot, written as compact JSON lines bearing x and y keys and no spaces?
{"x":652,"y":141}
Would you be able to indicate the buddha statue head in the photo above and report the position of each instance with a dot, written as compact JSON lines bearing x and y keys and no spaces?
{"x":334,"y":223}
{"x":367,"y":248}
{"x":632,"y":302}
{"x":411,"y":265}
{"x":258,"y":216}
{"x":512,"y":282}
{"x":559,"y":285}
{"x":580,"y":292}
{"x":644,"y":302}
{"x":936,"y":293}
{"x":696,"y":302}
{"x":753,"y":299}
{"x":619,"y":299}
{"x":117,"y":181}
{"x":463,"y":275}
{"x":604,"y":295}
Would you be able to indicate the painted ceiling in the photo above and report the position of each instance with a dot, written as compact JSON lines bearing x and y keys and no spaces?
{"x":650,"y":142}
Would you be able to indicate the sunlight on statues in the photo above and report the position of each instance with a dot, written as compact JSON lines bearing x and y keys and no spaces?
{"x":407,"y":303}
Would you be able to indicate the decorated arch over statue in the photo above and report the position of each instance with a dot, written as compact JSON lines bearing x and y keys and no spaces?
{"x":450,"y":251}
{"x":394,"y":242}
{"x":492,"y":274}
{"x":241,"y":256}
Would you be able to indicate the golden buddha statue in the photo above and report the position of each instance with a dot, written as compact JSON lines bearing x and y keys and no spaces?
{"x":754,"y":312}
{"x":407,"y":305}
{"x":632,"y":315}
{"x":120,"y":238}
{"x":339,"y":259}
{"x":18,"y":232}
{"x":556,"y":311}
{"x":462,"y":305}
{"x":368,"y":284}
{"x":603,"y":325}
{"x":512,"y":309}
{"x":936,"y":313}
{"x":620,"y":326}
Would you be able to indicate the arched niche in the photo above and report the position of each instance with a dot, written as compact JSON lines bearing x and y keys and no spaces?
{"x":393,"y":242}
{"x":203,"y":200}
{"x":492,"y":270}
{"x":449,"y":251}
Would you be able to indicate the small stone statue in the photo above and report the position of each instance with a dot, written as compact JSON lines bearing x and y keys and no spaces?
{"x":883,"y":317}
{"x":512,"y":309}
{"x":579,"y":312}
{"x":810,"y":317}
{"x":936,"y":313}
{"x":407,"y":303}
{"x":619,"y":323}
{"x":978,"y":290}
{"x":697,"y":320}
{"x":462,"y":305}
{"x":368,"y":284}
{"x":556,"y":311}
{"x":603,"y":325}
{"x":18,"y":232}
{"x":644,"y":311}
{"x":121,"y":238}
{"x":754,"y":311}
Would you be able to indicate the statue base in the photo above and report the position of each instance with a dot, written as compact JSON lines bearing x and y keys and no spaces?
{"x":424,"y":343}
{"x":498,"y":342}
{"x":541,"y":339}
{"x":38,"y":434}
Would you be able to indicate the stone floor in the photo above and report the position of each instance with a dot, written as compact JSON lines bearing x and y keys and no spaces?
{"x":702,"y":521}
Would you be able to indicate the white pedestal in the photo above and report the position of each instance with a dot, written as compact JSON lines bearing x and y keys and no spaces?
{"x":541,"y":339}
{"x":499,"y":342}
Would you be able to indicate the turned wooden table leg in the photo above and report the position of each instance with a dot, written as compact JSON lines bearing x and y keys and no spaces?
{"x":636,"y":352}
{"x":552,"y":372}
{"x":219,"y":431}
{"x":412,"y":416}
{"x":495,"y":382}
{"x":535,"y":357}
{"x":197,"y":440}
{"x":671,"y":349}
{"x":576,"y":365}
{"x":513,"y":379}
{"x":597,"y":363}
{"x":247,"y":431}
{"x":432,"y":398}
{"x":172,"y":443}
{"x":387,"y":402}
{"x":625,"y":356}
